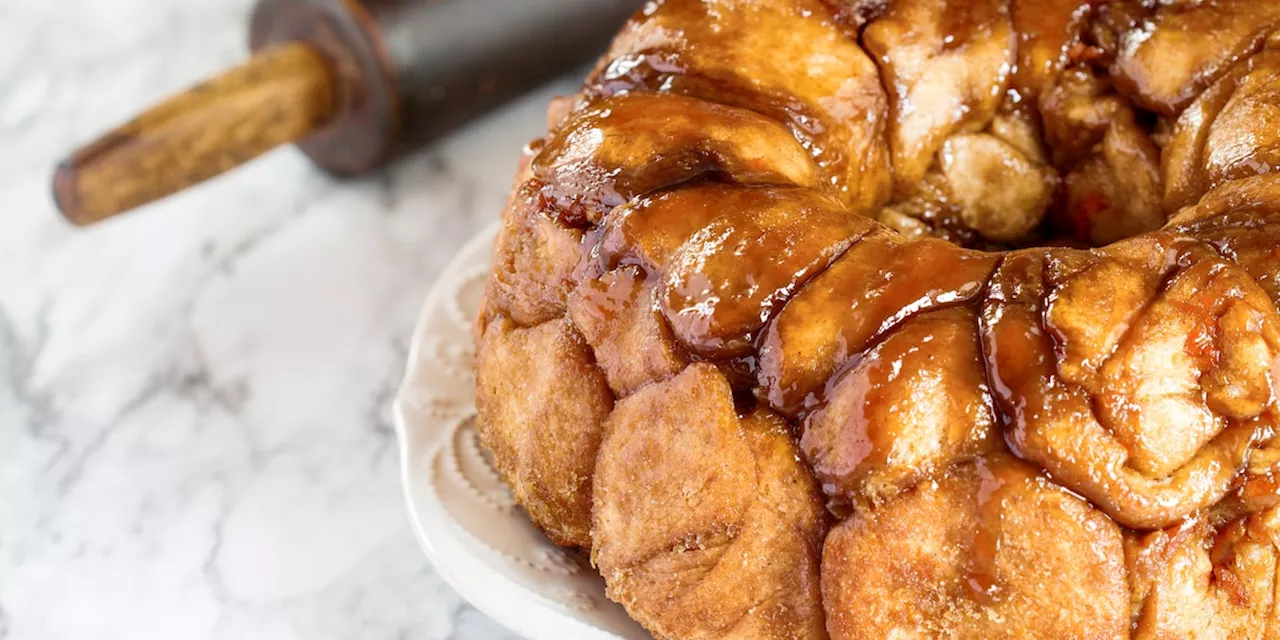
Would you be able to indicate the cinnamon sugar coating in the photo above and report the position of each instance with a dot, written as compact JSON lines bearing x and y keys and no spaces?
{"x":905,"y":318}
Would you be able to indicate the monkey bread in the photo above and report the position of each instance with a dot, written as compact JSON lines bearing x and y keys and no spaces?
{"x":905,"y":318}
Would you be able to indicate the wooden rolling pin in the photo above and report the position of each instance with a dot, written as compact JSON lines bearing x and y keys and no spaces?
{"x":353,"y":82}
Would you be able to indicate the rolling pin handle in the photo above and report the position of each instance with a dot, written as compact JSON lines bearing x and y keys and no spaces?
{"x":279,"y":96}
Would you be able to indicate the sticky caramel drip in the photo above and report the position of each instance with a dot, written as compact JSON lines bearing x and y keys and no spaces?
{"x":998,"y":480}
{"x":761,"y":262}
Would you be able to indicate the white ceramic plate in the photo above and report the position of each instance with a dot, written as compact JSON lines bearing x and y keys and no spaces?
{"x":465,"y":519}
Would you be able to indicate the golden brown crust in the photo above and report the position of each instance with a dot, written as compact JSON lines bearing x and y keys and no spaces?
{"x":703,"y":236}
{"x":727,"y":279}
{"x":619,"y":317}
{"x":915,"y":404}
{"x":1048,"y":32}
{"x":1165,"y":60}
{"x":541,"y":404}
{"x":945,"y":66}
{"x":637,"y":143}
{"x":1140,"y":439}
{"x":1203,"y":575}
{"x":786,"y":59}
{"x":1231,"y":131}
{"x":989,"y":551}
{"x":1241,"y":220}
{"x":534,"y":259}
{"x":873,"y":287}
{"x":706,"y":524}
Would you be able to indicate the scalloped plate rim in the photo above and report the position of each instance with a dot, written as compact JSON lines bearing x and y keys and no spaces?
{"x":512,"y":605}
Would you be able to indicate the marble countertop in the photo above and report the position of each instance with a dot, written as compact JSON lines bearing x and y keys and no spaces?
{"x":194,"y":399}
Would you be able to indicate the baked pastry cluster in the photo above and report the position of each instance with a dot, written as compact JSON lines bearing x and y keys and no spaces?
{"x":905,"y":318}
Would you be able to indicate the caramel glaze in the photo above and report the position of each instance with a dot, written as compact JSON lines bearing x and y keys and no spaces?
{"x":911,"y":404}
{"x":785,"y":59}
{"x":1209,"y":36}
{"x":631,"y":145}
{"x":998,"y":480}
{"x":721,"y":191}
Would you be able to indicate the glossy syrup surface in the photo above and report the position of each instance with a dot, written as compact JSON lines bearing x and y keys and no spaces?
{"x":741,"y":197}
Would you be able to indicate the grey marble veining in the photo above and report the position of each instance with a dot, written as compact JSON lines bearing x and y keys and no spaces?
{"x":194,"y":432}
